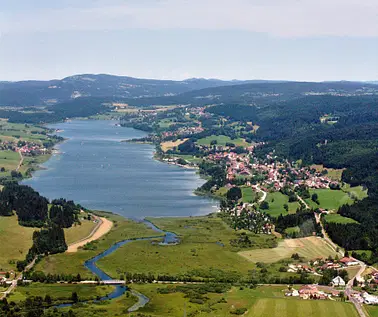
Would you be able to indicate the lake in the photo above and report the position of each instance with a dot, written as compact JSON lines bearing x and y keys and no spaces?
{"x":98,"y":171}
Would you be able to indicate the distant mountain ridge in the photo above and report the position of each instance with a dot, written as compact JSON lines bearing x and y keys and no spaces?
{"x":154,"y":91}
{"x":39,"y":93}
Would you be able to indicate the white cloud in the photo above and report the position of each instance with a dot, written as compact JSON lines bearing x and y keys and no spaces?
{"x":282,"y":18}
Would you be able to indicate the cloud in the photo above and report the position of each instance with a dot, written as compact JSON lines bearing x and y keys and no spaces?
{"x":289,"y":18}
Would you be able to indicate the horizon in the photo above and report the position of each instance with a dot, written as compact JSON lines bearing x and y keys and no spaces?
{"x":176,"y":39}
{"x":194,"y":78}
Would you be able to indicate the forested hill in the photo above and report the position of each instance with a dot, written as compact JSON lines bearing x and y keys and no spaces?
{"x":335,"y":131}
{"x":260,"y":93}
{"x":40,"y":93}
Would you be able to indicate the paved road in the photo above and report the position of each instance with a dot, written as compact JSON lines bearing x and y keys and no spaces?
{"x":349,"y":291}
{"x":264,"y":194}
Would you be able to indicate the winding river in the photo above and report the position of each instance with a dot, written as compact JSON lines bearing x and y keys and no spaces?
{"x":169,"y":238}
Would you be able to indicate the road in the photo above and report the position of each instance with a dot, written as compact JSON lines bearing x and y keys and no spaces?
{"x":264,"y":194}
{"x":349,"y":290}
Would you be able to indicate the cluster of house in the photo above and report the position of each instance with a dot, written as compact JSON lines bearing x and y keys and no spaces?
{"x":31,"y":148}
{"x":6,"y":278}
{"x":311,"y":292}
{"x":198,"y":111}
{"x":319,"y":265}
{"x":276,"y":175}
{"x":184,"y":131}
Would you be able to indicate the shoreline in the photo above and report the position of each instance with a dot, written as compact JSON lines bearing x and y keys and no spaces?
{"x":56,"y":151}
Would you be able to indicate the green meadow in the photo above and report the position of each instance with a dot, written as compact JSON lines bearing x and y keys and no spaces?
{"x":276,"y":203}
{"x":15,"y":242}
{"x":264,"y":301}
{"x":222,"y":140}
{"x":60,"y":292}
{"x":206,"y":244}
{"x":329,"y":199}
{"x":338,"y":219}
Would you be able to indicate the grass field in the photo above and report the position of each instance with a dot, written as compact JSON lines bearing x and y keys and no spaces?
{"x":332,"y":173}
{"x":309,"y":248}
{"x":292,"y":230}
{"x":276,"y":202}
{"x":72,"y":263}
{"x":60,"y":292}
{"x":264,"y":301}
{"x":248,"y":195}
{"x":205,"y":245}
{"x":15,"y":242}
{"x":372,"y":310}
{"x":329,"y":199}
{"x":336,"y":218}
{"x":222,"y":140}
{"x":9,"y":160}
{"x":358,"y":191}
{"x":78,"y":232}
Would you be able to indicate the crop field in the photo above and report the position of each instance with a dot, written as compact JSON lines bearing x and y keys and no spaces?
{"x":309,"y":248}
{"x":15,"y":242}
{"x":72,"y":263}
{"x":336,"y":218}
{"x":264,"y":301}
{"x":205,"y":245}
{"x":276,"y":202}
{"x":222,"y":140}
{"x":329,"y":199}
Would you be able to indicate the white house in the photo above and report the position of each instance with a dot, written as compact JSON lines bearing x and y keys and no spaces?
{"x":338,"y":281}
{"x":369,"y":299}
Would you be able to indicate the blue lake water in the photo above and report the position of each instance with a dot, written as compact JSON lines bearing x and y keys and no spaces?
{"x":98,"y":171}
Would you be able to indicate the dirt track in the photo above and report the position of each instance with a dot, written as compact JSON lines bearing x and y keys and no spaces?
{"x":101,"y":229}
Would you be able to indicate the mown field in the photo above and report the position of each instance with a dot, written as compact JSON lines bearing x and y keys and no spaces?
{"x":72,"y":263}
{"x":339,"y":219}
{"x":276,"y":203}
{"x":15,"y":242}
{"x":205,"y":245}
{"x":309,"y":248}
{"x":60,"y":292}
{"x":222,"y":140}
{"x":265,"y":301}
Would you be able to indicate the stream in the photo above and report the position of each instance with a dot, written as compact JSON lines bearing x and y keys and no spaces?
{"x":169,"y":238}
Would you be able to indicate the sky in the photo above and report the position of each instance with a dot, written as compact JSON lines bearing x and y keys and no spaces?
{"x":312,"y":40}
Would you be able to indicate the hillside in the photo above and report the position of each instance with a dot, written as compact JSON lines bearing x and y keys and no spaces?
{"x":39,"y":93}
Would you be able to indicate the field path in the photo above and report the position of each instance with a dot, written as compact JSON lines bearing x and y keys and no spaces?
{"x":103,"y":227}
{"x":21,"y":161}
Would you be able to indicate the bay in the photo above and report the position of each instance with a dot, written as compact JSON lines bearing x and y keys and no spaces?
{"x":97,"y":170}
